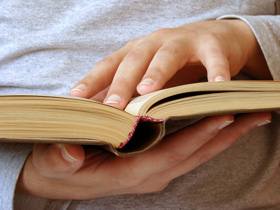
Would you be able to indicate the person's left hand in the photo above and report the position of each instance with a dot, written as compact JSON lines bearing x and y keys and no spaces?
{"x":75,"y":172}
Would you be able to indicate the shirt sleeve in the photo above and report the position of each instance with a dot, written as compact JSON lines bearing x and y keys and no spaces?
{"x":266,"y":29}
{"x":12,"y":158}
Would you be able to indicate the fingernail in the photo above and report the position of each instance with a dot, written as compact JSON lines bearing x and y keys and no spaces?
{"x":219,"y":79}
{"x":147,"y":81}
{"x":67,"y":156}
{"x":225,"y":124}
{"x":264,"y":123}
{"x":113,"y":99}
{"x":144,"y":86}
{"x":80,"y":88}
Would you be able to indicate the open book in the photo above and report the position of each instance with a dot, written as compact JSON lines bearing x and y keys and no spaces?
{"x":59,"y":119}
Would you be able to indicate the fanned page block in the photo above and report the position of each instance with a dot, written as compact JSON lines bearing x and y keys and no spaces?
{"x":144,"y":122}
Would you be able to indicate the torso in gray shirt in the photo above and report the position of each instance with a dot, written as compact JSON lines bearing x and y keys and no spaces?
{"x":48,"y":46}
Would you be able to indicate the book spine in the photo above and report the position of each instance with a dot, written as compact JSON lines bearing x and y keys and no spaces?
{"x":138,"y":119}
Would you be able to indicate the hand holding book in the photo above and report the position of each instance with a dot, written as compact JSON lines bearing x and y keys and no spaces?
{"x":83,"y":173}
{"x":146,"y":64}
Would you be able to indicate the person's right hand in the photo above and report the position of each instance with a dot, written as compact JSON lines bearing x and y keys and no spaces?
{"x":75,"y":172}
{"x":221,"y":48}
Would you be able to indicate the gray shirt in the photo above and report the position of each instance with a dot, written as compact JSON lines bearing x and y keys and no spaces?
{"x":47,"y":46}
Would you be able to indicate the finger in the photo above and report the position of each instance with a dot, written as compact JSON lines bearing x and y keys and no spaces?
{"x":99,"y":77}
{"x":222,"y":141}
{"x":129,"y":73}
{"x":57,"y":160}
{"x":179,"y":146}
{"x":215,"y":60}
{"x":166,"y":62}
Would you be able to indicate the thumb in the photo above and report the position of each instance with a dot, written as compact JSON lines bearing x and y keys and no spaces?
{"x":57,"y":160}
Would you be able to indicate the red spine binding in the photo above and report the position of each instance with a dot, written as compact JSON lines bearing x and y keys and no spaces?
{"x":142,"y":118}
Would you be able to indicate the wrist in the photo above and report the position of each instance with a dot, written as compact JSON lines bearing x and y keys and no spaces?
{"x":255,"y":65}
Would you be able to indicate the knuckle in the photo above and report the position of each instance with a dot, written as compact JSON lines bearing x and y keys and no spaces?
{"x":160,"y":73}
{"x":53,"y":165}
{"x":154,"y":186}
{"x":122,"y":83}
{"x":216,"y":52}
{"x":49,"y":169}
{"x":204,"y":158}
{"x":162,"y":187}
{"x":162,"y":32}
{"x":54,"y":162}
{"x":174,"y":158}
{"x":211,"y":42}
{"x":132,"y":43}
{"x":108,"y":60}
{"x":50,"y":163}
{"x":170,"y":49}
{"x":130,"y":179}
{"x":134,"y":54}
{"x":210,"y":36}
{"x":157,"y":188}
{"x":127,"y":183}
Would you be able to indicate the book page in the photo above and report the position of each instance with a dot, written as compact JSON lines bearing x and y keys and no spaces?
{"x":140,"y":105}
{"x":137,"y":103}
